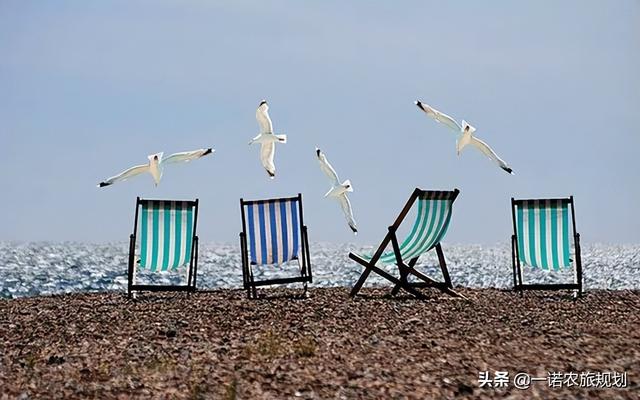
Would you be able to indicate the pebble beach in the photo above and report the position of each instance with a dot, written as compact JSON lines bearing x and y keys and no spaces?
{"x":220,"y":345}
{"x":68,"y":330}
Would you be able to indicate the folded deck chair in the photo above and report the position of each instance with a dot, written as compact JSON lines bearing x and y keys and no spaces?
{"x":432,"y":220}
{"x":541,"y":239}
{"x":273,"y":233}
{"x":168,"y":241}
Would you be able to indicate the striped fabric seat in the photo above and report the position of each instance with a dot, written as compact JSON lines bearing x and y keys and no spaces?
{"x":273,"y":230}
{"x":430,"y":226}
{"x":542,"y":228}
{"x":166,"y":234}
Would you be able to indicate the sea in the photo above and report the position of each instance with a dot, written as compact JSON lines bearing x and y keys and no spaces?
{"x":48,"y":268}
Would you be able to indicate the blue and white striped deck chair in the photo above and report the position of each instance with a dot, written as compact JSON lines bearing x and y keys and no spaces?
{"x":167,"y":242}
{"x":273,"y":233}
{"x":433,"y":215}
{"x":542,"y":233}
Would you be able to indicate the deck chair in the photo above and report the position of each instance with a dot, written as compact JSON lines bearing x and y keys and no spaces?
{"x":273,"y":233}
{"x":168,"y":241}
{"x":432,"y":220}
{"x":541,"y":239}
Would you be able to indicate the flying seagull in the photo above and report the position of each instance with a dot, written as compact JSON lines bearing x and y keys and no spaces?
{"x":156,"y":165}
{"x":338,"y":190}
{"x":464,"y":133}
{"x":267,"y":139}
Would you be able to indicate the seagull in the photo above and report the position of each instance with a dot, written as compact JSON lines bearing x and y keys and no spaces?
{"x":156,"y":165}
{"x":267,"y":139}
{"x":338,"y":190}
{"x":464,"y":133}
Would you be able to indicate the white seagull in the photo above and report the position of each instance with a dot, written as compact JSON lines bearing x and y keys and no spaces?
{"x":267,"y":139}
{"x":338,"y":190}
{"x":156,"y":165}
{"x":465,"y":135}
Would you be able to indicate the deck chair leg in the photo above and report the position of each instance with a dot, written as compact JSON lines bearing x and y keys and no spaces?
{"x":433,"y":283}
{"x":513,"y":261}
{"x":403,"y":276}
{"x":131,"y":269}
{"x":578,"y":265}
{"x":396,"y":288}
{"x":369,"y":267}
{"x":443,"y":266}
{"x":303,"y":274}
{"x":363,"y":277}
{"x":251,"y":288}
{"x":393,"y":279}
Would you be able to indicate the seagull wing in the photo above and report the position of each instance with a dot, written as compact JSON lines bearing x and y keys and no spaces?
{"x":262,"y":115}
{"x":348,"y":212}
{"x":124,"y":175}
{"x":327,"y":168}
{"x":488,"y":151}
{"x":440,"y":117}
{"x":267,"y":152}
{"x":186,"y":156}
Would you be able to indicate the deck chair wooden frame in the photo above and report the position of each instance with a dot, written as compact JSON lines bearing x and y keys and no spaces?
{"x":518,"y":279}
{"x":406,"y":268}
{"x":250,"y":284}
{"x":192,"y":266}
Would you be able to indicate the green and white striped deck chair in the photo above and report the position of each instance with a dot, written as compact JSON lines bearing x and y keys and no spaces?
{"x":167,"y":242}
{"x":542,"y":232}
{"x":433,"y":215}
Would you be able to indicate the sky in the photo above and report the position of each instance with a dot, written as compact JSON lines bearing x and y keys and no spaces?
{"x":88,"y":89}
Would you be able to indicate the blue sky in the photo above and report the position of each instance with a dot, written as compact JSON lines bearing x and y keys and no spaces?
{"x":89,"y":88}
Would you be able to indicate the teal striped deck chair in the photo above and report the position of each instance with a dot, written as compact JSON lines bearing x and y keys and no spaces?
{"x":542,"y":233}
{"x":166,"y":230}
{"x":273,"y":233}
{"x":433,"y":216}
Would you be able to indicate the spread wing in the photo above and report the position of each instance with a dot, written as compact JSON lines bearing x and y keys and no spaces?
{"x":327,"y":168}
{"x":126,"y":174}
{"x":187,"y":156}
{"x":488,"y":151}
{"x":440,"y":117}
{"x":267,"y":152}
{"x":348,"y":212}
{"x":262,"y":115}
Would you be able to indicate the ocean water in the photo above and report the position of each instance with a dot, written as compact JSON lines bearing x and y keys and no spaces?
{"x":30,"y":269}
